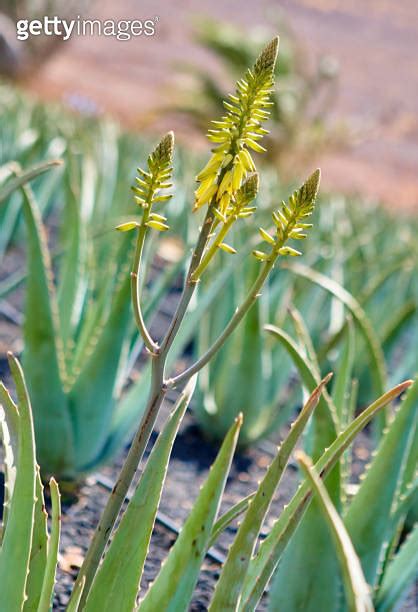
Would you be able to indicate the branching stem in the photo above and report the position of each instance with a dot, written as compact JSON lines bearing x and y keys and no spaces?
{"x":135,"y":287}
{"x":239,"y":314}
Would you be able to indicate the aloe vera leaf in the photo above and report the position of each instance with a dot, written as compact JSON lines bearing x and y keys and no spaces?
{"x":343,"y":377}
{"x":53,"y":548}
{"x":305,"y":339}
{"x":173,"y":587}
{"x":229,"y":586}
{"x":230,"y":515}
{"x":26,"y":176}
{"x":368,"y":516}
{"x":346,"y":459}
{"x":313,"y":531}
{"x":404,"y":505}
{"x":92,"y":396}
{"x":356,"y":588}
{"x":395,"y":324}
{"x":9,"y":428}
{"x":76,"y":593}
{"x":311,"y":537}
{"x":409,"y":477}
{"x":17,"y":539}
{"x":125,"y":558}
{"x":399,"y":575}
{"x":43,"y":350}
{"x":325,"y":421}
{"x":228,"y":395}
{"x":271,"y":549}
{"x":374,"y":348}
{"x":38,"y":556}
{"x":71,"y":269}
{"x":9,"y":216}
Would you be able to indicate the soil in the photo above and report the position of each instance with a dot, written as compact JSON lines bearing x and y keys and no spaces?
{"x":375,"y":44}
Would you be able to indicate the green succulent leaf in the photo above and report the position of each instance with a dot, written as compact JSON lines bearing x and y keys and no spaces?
{"x":45,"y":602}
{"x":44,"y":349}
{"x":228,"y":517}
{"x":16,"y":546}
{"x":38,"y":556}
{"x":270,"y":552}
{"x":9,"y":428}
{"x":369,"y":514}
{"x":374,"y":348}
{"x":125,"y":558}
{"x":95,"y":385}
{"x":356,"y":588}
{"x":399,"y":575}
{"x":26,"y":176}
{"x":229,"y":586}
{"x":173,"y":587}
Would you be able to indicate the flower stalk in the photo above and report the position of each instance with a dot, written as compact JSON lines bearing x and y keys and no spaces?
{"x":229,"y":184}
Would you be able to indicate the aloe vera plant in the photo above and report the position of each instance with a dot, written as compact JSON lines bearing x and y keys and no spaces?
{"x":81,"y":324}
{"x":27,"y":546}
{"x":112,"y":569}
{"x":374,"y":516}
{"x":340,"y":280}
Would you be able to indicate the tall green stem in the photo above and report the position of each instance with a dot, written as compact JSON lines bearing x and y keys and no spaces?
{"x":240,"y":313}
{"x":190,"y":283}
{"x":156,"y":397}
{"x":135,"y":287}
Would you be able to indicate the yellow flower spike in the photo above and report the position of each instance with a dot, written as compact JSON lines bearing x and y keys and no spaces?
{"x":240,"y":128}
{"x":150,"y":183}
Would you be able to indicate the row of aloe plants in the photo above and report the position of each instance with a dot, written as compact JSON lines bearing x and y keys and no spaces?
{"x":346,"y":248}
{"x":350,"y":549}
{"x":228,"y":186}
{"x":357,"y":270}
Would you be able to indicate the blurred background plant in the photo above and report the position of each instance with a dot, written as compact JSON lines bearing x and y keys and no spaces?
{"x":375,"y":262}
{"x":20,"y":57}
{"x":352,"y":268}
{"x":74,"y":320}
{"x":301,"y":125}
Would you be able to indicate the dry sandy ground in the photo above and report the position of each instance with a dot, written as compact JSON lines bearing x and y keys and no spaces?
{"x":375,"y":43}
